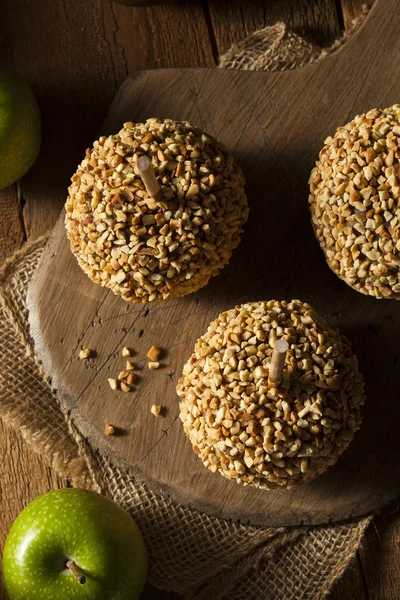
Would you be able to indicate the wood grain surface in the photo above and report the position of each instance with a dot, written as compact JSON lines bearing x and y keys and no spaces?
{"x":275,"y":138}
{"x":375,"y":574}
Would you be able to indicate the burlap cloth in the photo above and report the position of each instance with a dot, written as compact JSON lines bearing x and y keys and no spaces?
{"x":198,"y":556}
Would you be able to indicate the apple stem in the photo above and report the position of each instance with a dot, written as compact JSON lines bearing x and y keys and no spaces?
{"x":75,"y":571}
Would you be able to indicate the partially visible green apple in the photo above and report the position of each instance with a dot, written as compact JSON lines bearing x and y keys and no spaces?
{"x":99,"y":540}
{"x":20,"y":130}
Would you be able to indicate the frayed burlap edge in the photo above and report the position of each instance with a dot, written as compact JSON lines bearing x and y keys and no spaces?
{"x":19,"y":365}
{"x":277,"y":48}
{"x":200,"y":557}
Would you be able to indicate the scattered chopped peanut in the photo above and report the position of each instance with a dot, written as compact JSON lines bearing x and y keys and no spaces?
{"x":155,"y":410}
{"x":109,"y":429}
{"x":153,"y":365}
{"x":131,"y":378}
{"x":126,"y":351}
{"x":123,"y":375}
{"x":153,"y":353}
{"x":85,"y":353}
{"x":129,"y":366}
{"x":125,"y":387}
{"x":113,"y":384}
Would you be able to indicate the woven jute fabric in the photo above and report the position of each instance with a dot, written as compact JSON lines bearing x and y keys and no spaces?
{"x":198,"y":556}
{"x":277,"y":48}
{"x":270,"y":49}
{"x":191,"y":553}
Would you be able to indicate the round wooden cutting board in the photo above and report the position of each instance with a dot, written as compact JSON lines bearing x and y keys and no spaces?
{"x":275,"y":124}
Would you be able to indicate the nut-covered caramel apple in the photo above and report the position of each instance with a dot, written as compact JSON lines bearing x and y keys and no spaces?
{"x":271,"y":396}
{"x":151,"y":242}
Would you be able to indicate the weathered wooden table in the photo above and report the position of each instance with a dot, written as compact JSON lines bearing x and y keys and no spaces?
{"x":75,"y":55}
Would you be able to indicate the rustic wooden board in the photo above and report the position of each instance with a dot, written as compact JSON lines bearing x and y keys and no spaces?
{"x":274,"y":124}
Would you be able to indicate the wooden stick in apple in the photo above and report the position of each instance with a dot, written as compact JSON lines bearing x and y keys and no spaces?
{"x":148,"y":177}
{"x":75,"y":571}
{"x":277,"y":362}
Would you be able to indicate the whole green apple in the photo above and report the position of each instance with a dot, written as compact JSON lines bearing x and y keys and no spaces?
{"x":72,"y":544}
{"x":20,"y":130}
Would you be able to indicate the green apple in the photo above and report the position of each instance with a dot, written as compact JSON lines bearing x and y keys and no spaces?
{"x":71,"y":544}
{"x":20,"y":130}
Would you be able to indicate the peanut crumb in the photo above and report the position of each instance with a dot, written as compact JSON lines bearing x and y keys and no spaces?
{"x":109,"y":429}
{"x":123,"y":375}
{"x":113,"y":383}
{"x":156,"y":410}
{"x":153,"y":353}
{"x":126,"y":351}
{"x":125,"y":387}
{"x":153,"y":365}
{"x":129,"y":366}
{"x":85,"y":353}
{"x":131,"y":378}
